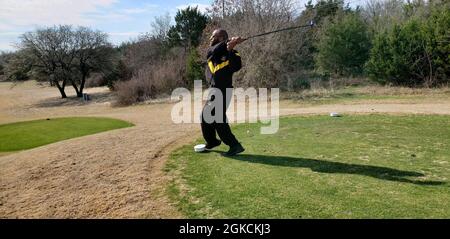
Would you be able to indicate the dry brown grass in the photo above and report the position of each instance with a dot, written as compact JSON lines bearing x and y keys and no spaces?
{"x":368,"y":92}
{"x":114,"y":174}
{"x":380,"y":90}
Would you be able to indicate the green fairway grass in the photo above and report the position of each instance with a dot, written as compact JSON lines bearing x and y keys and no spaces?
{"x":356,"y":166}
{"x":31,"y":134}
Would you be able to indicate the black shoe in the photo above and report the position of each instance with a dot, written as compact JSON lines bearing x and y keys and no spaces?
{"x":213,"y":145}
{"x":236,"y":149}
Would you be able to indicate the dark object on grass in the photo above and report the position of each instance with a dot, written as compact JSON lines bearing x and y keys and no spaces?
{"x":234,"y":150}
{"x":86,"y":97}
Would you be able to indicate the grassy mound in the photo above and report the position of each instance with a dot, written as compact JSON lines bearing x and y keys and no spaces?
{"x":31,"y":134}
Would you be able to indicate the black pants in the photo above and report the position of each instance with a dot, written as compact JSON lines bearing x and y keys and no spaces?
{"x":222,"y":128}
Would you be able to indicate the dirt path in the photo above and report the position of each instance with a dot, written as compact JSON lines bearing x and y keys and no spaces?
{"x":116,"y":174}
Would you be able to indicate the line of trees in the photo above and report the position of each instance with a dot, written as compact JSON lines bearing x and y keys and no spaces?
{"x":391,"y":41}
{"x":414,"y":53}
{"x":164,"y":59}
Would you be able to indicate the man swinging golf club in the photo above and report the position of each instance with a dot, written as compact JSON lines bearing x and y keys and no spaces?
{"x":222,"y":62}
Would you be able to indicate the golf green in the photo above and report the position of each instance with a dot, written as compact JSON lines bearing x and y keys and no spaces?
{"x":31,"y":134}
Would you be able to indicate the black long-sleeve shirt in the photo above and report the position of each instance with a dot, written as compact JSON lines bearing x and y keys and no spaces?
{"x":221,"y":64}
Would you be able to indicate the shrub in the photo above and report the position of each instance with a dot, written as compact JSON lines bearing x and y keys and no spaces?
{"x":397,"y":56}
{"x":120,"y":73}
{"x":194,"y":68}
{"x":344,"y":46}
{"x":134,"y":90}
{"x":153,"y":80}
{"x":414,"y":53}
{"x":95,"y":80}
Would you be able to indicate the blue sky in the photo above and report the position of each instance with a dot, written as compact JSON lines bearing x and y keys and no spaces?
{"x":122,"y":19}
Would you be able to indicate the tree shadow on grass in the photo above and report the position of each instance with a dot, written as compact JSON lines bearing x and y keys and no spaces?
{"x":99,"y":97}
{"x":325,"y":166}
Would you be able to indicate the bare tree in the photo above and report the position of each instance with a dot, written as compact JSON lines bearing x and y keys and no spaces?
{"x":5,"y":58}
{"x":52,"y":51}
{"x":382,"y":15}
{"x":62,"y":55}
{"x":161,"y":26}
{"x":16,"y":66}
{"x":94,"y":54}
{"x":250,"y":17}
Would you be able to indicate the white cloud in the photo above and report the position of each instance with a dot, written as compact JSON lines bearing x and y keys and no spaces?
{"x":19,"y":16}
{"x":129,"y":34}
{"x":8,"y":40}
{"x":134,"y":10}
{"x":10,"y":33}
{"x":26,"y":13}
{"x":145,"y":9}
{"x":118,"y":37}
{"x":6,"y":46}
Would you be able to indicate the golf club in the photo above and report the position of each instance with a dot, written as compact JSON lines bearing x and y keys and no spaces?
{"x":311,"y":24}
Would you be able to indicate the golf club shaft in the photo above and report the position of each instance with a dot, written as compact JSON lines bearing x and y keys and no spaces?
{"x":311,"y":24}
